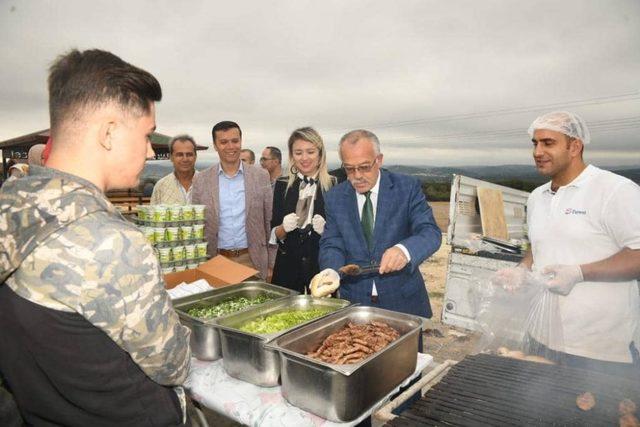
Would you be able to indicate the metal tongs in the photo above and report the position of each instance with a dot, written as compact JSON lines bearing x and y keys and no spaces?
{"x":357,"y":270}
{"x":503,"y":245}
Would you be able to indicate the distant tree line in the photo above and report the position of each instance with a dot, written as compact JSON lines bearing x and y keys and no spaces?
{"x":441,"y":191}
{"x":520,"y":184}
{"x":437,"y":191}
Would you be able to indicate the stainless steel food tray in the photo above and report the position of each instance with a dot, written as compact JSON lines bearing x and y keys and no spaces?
{"x":205,"y":338}
{"x":244,"y":355}
{"x":342,"y":393}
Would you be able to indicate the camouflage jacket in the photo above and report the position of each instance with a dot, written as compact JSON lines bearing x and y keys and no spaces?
{"x":69,"y":249}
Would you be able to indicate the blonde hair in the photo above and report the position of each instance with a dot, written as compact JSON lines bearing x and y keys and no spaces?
{"x":309,"y":134}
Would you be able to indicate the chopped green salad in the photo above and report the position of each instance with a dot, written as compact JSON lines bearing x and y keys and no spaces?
{"x":230,"y":305}
{"x":283,"y":320}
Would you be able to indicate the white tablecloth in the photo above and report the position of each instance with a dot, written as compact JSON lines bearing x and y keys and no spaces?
{"x":251,"y":405}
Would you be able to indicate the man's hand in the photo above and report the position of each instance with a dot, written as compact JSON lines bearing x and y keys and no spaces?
{"x":269,"y":275}
{"x":510,"y":279}
{"x":318,"y":224}
{"x":392,"y":260}
{"x":564,"y":278}
{"x":290,"y":222}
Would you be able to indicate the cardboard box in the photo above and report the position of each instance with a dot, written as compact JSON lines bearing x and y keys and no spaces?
{"x":219,"y":271}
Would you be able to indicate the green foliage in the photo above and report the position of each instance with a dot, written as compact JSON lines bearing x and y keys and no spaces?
{"x":436,"y":191}
{"x":518,"y":184}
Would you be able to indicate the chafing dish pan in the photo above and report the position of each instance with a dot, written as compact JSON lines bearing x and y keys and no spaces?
{"x":205,"y":338}
{"x":244,"y":355}
{"x":341,"y":393}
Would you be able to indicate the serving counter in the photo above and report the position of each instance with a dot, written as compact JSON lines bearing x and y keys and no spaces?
{"x":252,"y":405}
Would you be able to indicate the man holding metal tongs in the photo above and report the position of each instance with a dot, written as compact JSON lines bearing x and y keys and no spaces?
{"x":379,"y":230}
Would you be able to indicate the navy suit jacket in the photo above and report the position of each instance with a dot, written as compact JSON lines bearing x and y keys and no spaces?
{"x":402,"y":216}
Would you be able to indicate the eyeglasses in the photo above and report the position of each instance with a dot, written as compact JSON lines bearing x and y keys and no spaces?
{"x":350,"y":170}
{"x":264,"y":159}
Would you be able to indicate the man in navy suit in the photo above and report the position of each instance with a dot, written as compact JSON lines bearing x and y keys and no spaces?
{"x":378,"y":217}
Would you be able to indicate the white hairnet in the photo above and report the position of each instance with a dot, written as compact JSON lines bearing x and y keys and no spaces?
{"x":564,"y":122}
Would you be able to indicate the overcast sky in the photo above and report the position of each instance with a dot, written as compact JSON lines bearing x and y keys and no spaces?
{"x":440,"y":82}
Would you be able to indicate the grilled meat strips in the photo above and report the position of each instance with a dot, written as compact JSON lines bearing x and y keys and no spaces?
{"x":354,"y":342}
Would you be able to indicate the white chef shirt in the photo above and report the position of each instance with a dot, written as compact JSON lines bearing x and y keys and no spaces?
{"x":361,"y":199}
{"x":590,"y":219}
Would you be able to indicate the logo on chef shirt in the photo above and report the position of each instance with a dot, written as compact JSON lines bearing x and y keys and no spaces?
{"x":572,"y":211}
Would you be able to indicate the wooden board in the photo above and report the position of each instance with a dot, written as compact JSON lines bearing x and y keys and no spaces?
{"x":492,"y":213}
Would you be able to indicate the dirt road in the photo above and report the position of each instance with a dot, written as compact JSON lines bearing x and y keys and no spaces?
{"x":441,"y":214}
{"x":442,"y":341}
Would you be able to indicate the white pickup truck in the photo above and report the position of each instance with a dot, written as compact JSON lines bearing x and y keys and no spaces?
{"x":473,"y":259}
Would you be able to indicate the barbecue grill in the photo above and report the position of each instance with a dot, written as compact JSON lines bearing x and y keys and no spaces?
{"x":491,"y":390}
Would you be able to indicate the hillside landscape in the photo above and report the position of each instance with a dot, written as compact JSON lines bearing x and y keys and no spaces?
{"x":436,"y":181}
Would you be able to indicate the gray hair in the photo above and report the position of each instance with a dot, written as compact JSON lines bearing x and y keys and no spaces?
{"x":183,"y":137}
{"x":356,"y":135}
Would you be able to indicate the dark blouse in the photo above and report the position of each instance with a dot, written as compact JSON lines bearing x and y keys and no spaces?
{"x":297,"y":257}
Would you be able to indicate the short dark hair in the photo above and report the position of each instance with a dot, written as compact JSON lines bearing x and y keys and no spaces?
{"x":183,"y":137}
{"x":90,"y":78}
{"x":224,"y":126}
{"x":275,"y":152}
{"x":252,"y":155}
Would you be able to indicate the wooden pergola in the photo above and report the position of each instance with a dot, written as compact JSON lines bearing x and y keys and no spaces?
{"x":17,"y":148}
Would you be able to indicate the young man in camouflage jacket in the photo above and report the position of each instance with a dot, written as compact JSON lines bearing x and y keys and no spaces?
{"x":88,"y":335}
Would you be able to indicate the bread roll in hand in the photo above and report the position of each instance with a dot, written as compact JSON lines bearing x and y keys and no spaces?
{"x":325,"y":283}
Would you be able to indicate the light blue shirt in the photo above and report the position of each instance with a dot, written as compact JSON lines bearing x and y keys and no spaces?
{"x":231,"y":232}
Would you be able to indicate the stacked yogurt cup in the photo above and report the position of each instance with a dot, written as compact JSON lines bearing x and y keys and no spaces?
{"x":177,"y":233}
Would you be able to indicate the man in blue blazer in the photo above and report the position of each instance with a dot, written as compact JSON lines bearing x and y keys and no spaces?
{"x":378,"y":217}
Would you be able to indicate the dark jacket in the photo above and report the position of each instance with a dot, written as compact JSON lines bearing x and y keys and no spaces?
{"x":403,"y":216}
{"x":64,"y":371}
{"x":297,"y":257}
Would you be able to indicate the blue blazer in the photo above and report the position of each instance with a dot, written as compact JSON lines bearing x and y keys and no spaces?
{"x":402,"y":216}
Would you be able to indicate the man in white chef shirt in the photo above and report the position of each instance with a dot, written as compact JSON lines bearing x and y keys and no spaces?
{"x":584,"y":228}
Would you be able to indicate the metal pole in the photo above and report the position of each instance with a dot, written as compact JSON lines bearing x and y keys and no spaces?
{"x":4,"y":167}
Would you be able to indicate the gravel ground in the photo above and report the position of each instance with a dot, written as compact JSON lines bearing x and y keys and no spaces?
{"x":442,"y":341}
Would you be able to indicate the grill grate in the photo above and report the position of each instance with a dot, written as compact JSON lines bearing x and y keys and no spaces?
{"x":485,"y":390}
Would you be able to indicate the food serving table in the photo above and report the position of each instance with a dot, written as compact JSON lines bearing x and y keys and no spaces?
{"x":252,"y":405}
